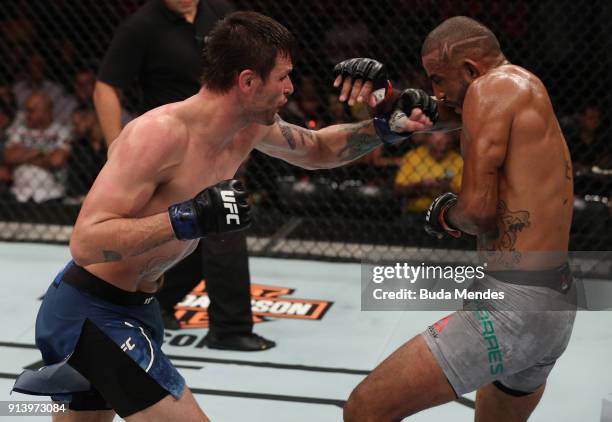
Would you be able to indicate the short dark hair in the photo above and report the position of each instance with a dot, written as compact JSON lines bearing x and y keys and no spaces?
{"x":457,"y":35}
{"x":243,"y":40}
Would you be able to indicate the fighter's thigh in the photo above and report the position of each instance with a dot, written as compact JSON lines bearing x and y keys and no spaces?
{"x":408,"y":381}
{"x":125,"y":365}
{"x":185,"y":409}
{"x":492,"y":404}
{"x":85,"y":416}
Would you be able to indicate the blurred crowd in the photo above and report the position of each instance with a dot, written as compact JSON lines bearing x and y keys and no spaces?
{"x":51,"y":145}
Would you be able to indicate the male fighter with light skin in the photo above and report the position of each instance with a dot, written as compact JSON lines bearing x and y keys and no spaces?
{"x":129,"y":233}
{"x":516,"y":197}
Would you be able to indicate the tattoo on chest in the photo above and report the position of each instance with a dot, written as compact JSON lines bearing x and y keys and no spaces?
{"x":112,"y":256}
{"x":358,"y":142}
{"x":292,"y":132}
{"x":568,"y":170}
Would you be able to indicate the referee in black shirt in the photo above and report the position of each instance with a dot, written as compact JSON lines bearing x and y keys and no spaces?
{"x":159,"y":48}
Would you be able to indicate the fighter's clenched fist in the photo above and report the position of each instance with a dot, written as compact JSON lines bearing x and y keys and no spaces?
{"x":218,"y":209}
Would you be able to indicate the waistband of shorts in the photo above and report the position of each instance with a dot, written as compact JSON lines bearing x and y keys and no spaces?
{"x":81,"y":279}
{"x":559,"y":279}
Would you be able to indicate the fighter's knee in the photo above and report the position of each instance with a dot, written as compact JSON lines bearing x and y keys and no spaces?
{"x":356,"y":406}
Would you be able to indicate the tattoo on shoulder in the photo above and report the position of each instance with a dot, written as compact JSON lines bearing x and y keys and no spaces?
{"x":358,"y":142}
{"x":292,"y":132}
{"x":112,"y":256}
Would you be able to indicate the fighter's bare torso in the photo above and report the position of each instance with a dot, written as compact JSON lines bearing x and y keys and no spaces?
{"x":535,"y":187}
{"x":197,"y":164}
{"x":124,"y":234}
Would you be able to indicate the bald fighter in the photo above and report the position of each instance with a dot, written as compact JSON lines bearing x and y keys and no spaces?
{"x":516,"y":198}
{"x":167,"y":183}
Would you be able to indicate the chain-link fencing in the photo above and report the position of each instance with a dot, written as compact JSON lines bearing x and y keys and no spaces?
{"x":374,"y":203}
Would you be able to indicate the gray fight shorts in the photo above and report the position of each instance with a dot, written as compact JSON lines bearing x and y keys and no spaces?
{"x":505,"y":345}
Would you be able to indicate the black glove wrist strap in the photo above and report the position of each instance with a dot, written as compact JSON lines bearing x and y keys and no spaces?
{"x":446,"y":225}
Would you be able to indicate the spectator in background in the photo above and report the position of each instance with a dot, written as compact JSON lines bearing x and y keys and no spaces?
{"x":160,"y":47}
{"x":584,"y":135}
{"x":35,"y":79}
{"x":82,"y":96}
{"x":306,"y":109}
{"x":429,"y":170}
{"x":337,"y":112}
{"x":38,"y":150}
{"x":66,"y":58}
{"x":381,"y":158}
{"x":88,"y":153}
{"x":8,"y":110}
{"x":17,"y":34}
{"x":6,"y":94}
{"x":309,"y":102}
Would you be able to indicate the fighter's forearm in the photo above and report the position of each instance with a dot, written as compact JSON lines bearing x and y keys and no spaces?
{"x":470,"y":222}
{"x":119,"y":238}
{"x":341,"y":144}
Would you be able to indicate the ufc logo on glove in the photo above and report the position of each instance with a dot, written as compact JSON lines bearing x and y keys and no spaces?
{"x":207,"y":213}
{"x":229,"y":202}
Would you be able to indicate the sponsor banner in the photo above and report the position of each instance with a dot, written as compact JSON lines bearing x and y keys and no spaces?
{"x":266,"y":302}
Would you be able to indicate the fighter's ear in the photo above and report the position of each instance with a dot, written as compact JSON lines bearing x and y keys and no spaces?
{"x":247,"y":80}
{"x":471,"y":69}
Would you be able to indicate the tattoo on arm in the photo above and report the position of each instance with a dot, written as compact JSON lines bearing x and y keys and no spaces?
{"x":112,"y":256}
{"x":358,"y":142}
{"x":290,"y":131}
{"x":359,"y":137}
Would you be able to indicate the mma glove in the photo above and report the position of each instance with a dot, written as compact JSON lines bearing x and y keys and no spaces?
{"x":218,"y":209}
{"x":435,"y":218}
{"x":367,"y":70}
{"x":389,"y":124}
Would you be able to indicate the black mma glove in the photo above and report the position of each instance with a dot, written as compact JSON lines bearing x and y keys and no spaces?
{"x":367,"y":70}
{"x":218,"y":209}
{"x":435,"y":219}
{"x":388,"y":125}
{"x":412,"y":98}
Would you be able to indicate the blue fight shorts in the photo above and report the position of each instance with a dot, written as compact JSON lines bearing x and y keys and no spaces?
{"x":101,"y":346}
